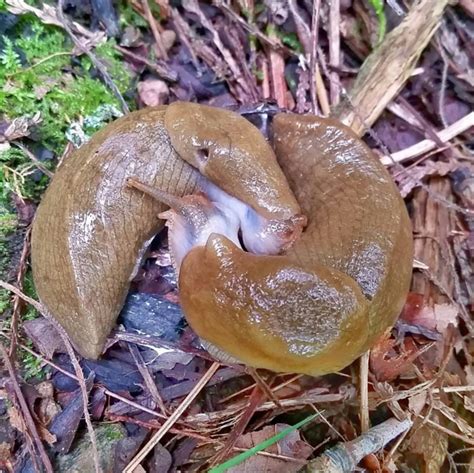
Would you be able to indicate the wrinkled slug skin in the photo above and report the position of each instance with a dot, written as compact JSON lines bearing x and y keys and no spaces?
{"x":236,"y":156}
{"x":323,"y":303}
{"x":90,"y":230}
{"x":357,"y":220}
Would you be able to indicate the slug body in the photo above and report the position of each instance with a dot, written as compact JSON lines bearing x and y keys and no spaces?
{"x":306,"y":302}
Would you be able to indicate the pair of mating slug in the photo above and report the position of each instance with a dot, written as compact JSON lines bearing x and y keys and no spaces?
{"x":293,"y":257}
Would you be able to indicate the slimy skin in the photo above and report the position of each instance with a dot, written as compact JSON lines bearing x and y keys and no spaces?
{"x":91,"y":230}
{"x":251,"y":284}
{"x":325,"y":301}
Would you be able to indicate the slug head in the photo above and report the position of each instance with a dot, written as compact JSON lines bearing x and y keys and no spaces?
{"x":231,"y":153}
{"x":270,"y":312}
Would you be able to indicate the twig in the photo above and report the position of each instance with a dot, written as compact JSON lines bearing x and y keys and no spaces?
{"x":387,"y":68}
{"x":15,"y":290}
{"x":80,"y":376}
{"x":172,"y":419}
{"x":313,"y":57}
{"x":97,"y":64}
{"x":154,"y":29}
{"x":246,"y":88}
{"x":424,"y":146}
{"x":145,"y":372}
{"x":43,"y":359}
{"x":25,"y":411}
{"x":161,"y":70}
{"x":34,"y":159}
{"x":41,"y":61}
{"x":344,"y":457}
{"x":322,"y":93}
{"x":264,"y":386}
{"x":334,"y":51}
{"x":448,"y":431}
{"x":274,"y":43}
{"x":16,"y":299}
{"x":255,"y":399}
{"x":85,"y":396}
{"x":364,"y":392}
{"x":302,"y":29}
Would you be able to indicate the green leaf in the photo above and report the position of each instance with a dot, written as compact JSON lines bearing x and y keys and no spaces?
{"x":261,"y":446}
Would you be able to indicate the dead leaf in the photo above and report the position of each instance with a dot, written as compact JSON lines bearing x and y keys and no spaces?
{"x":47,"y":84}
{"x":21,"y":126}
{"x":153,"y":92}
{"x":436,"y":318}
{"x":411,"y":177}
{"x":290,"y":446}
{"x":417,"y":402}
{"x":431,"y":446}
{"x":44,"y":336}
{"x":454,"y":417}
{"x":387,"y":363}
{"x":468,"y":403}
{"x":16,"y":420}
{"x":168,"y":37}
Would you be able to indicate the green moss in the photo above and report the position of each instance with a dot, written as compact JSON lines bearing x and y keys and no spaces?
{"x":32,"y":366}
{"x":291,"y":40}
{"x":128,"y":16}
{"x":4,"y":301}
{"x":48,"y":82}
{"x":111,"y":433}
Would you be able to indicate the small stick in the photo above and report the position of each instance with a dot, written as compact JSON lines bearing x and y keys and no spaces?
{"x":16,"y":291}
{"x":160,"y":68}
{"x":424,"y":146}
{"x":390,"y":65}
{"x":334,"y":51}
{"x":344,"y":457}
{"x":130,"y":468}
{"x":79,"y":374}
{"x":85,"y":396}
{"x":264,"y":386}
{"x":30,"y":423}
{"x":364,"y":392}
{"x":98,"y":64}
{"x":322,"y":93}
{"x":16,"y":299}
{"x":154,"y":29}
{"x":313,"y":58}
{"x":145,"y":372}
{"x":34,"y":159}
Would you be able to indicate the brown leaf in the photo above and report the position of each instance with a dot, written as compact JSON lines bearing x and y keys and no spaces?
{"x":290,"y":446}
{"x":431,"y":446}
{"x":153,"y":92}
{"x":44,"y":336}
{"x":436,"y":318}
{"x":417,"y":402}
{"x":411,"y":177}
{"x":387,"y":364}
{"x":468,"y":403}
{"x":21,"y":126}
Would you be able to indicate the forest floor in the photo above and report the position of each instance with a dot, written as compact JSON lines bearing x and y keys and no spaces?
{"x":400,"y":75}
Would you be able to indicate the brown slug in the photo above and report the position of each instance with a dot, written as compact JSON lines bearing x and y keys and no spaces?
{"x":253,"y":285}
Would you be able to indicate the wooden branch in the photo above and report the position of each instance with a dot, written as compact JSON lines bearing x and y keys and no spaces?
{"x":344,"y":457}
{"x":456,"y":128}
{"x":388,"y":67}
